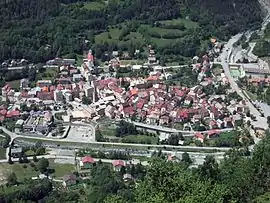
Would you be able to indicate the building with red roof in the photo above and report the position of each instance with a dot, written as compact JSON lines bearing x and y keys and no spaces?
{"x":213,"y":133}
{"x":199,"y":136}
{"x":87,"y":162}
{"x":118,"y":164}
{"x":5,"y":90}
{"x":13,"y":114}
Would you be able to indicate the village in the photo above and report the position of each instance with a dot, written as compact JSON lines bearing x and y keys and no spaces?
{"x":150,"y":94}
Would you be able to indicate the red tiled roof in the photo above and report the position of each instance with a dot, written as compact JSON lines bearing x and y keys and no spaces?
{"x":152,"y":78}
{"x":140,"y":104}
{"x":213,"y":132}
{"x":199,"y":135}
{"x":90,"y":57}
{"x":128,"y":110}
{"x":88,"y":159}
{"x":45,"y":95}
{"x":134,"y":91}
{"x":212,"y":123}
{"x":118,"y":163}
{"x":3,"y":112}
{"x":52,"y":88}
{"x":182,"y":113}
{"x":13,"y":113}
{"x":60,"y":87}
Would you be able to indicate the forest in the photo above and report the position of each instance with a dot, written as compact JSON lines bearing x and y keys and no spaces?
{"x":42,"y":29}
{"x":242,"y":177}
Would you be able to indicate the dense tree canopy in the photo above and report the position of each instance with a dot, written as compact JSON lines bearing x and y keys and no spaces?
{"x":42,"y":29}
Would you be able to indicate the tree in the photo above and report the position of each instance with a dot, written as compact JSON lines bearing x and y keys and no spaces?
{"x":12,"y":179}
{"x":20,"y":159}
{"x":10,"y":160}
{"x":43,"y":165}
{"x":86,"y":100}
{"x":209,"y":170}
{"x":35,"y":159}
{"x":186,"y":158}
{"x":114,"y":199}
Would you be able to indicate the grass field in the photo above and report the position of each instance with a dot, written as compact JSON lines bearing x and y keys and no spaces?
{"x":187,"y":23}
{"x":2,"y":153}
{"x":112,"y":36}
{"x":61,"y":169}
{"x":95,"y":5}
{"x":161,"y":31}
{"x":18,"y":169}
{"x":15,"y":84}
{"x":252,"y":96}
{"x":143,"y":139}
{"x":29,"y":172}
{"x":50,"y":73}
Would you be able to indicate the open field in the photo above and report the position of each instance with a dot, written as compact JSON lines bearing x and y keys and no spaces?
{"x":252,"y":96}
{"x":21,"y":172}
{"x":2,"y":153}
{"x":162,"y":36}
{"x":61,"y":169}
{"x":187,"y":23}
{"x":94,"y":5}
{"x":49,"y":73}
{"x":15,"y":84}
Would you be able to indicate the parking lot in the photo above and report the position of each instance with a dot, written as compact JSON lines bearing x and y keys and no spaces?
{"x":81,"y":134}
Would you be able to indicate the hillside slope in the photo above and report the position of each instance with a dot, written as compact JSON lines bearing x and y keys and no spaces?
{"x":41,"y":29}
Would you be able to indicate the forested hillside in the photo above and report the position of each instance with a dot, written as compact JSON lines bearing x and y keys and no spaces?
{"x":41,"y":29}
{"x":239,"y":178}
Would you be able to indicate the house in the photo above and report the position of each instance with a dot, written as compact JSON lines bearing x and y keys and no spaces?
{"x":127,"y":177}
{"x":69,"y":180}
{"x":87,"y":162}
{"x":118,"y":164}
{"x":16,"y":152}
{"x":164,"y":120}
{"x":213,"y":134}
{"x":13,"y":114}
{"x":76,"y":77}
{"x":173,"y":157}
{"x":237,"y":120}
{"x":5,"y":90}
{"x":213,"y":124}
{"x":228,"y":123}
{"x":199,"y":136}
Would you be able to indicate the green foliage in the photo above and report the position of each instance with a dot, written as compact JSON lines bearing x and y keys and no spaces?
{"x":228,"y":139}
{"x":103,"y":182}
{"x":125,"y":128}
{"x":262,"y":48}
{"x":58,"y":29}
{"x":30,"y":191}
{"x":43,"y":164}
{"x":12,"y":179}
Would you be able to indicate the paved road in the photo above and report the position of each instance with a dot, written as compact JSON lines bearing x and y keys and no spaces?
{"x":172,"y":130}
{"x":227,"y":57}
{"x":135,"y":161}
{"x":15,"y":136}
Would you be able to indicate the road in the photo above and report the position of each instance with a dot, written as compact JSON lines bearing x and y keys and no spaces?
{"x":135,"y":161}
{"x":172,"y":130}
{"x":16,"y":136}
{"x":261,"y":121}
{"x":229,"y":57}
